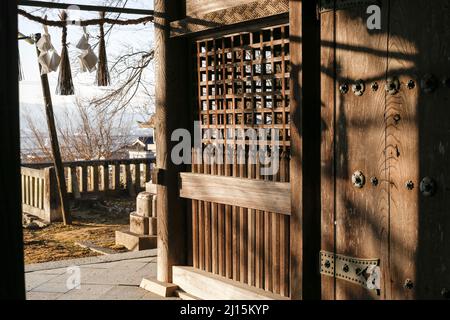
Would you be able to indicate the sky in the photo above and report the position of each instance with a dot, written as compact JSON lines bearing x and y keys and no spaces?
{"x":121,"y":39}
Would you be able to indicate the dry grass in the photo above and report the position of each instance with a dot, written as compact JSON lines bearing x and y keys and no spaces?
{"x":57,"y":242}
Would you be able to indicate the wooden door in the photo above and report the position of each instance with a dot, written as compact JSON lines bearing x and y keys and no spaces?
{"x":395,"y":137}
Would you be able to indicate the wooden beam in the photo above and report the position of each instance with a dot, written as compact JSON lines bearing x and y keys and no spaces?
{"x":83,"y":7}
{"x":57,"y":161}
{"x":207,"y":286}
{"x":199,"y":7}
{"x":172,"y":106}
{"x":246,"y":193}
{"x":230,"y":16}
{"x":12,"y":284}
{"x":305,"y":149}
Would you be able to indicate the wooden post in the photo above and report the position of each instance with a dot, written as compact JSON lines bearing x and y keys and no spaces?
{"x":305,"y":174}
{"x":171,"y":102}
{"x":12,"y":284}
{"x":59,"y":168}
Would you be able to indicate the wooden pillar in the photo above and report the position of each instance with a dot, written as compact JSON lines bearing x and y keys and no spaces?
{"x":305,"y":149}
{"x":172,"y":106}
{"x":12,"y":285}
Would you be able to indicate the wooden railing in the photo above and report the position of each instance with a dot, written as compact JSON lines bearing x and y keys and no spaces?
{"x":84,"y":179}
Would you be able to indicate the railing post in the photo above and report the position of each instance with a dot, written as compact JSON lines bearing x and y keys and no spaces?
{"x":129,"y":180}
{"x":137,"y":176}
{"x":95,"y":179}
{"x":84,"y":178}
{"x":105,"y":178}
{"x":52,"y":206}
{"x":74,"y":181}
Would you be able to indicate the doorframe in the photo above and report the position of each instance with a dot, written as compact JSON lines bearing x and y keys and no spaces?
{"x":12,"y":283}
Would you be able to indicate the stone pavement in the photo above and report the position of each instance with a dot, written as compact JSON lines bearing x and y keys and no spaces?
{"x":109,"y":277}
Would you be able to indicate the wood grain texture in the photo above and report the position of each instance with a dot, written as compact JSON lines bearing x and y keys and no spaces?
{"x":170,"y":94}
{"x":197,"y":8}
{"x":259,"y":195}
{"x":361,"y":214}
{"x":328,"y":96}
{"x":238,"y":13}
{"x":419,"y":147}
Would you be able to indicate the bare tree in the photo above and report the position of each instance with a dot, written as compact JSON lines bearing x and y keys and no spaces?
{"x":86,"y":133}
{"x":97,"y":128}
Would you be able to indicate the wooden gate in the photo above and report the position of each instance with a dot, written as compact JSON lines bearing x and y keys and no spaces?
{"x":385,"y":113}
{"x":242,"y":232}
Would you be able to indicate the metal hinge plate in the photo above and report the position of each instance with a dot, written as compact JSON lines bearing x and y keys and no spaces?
{"x":365,"y":272}
{"x":329,"y":5}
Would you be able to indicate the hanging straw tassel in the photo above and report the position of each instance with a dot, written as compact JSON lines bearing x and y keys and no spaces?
{"x":102,"y":69}
{"x":20,"y":69}
{"x":65,"y":84}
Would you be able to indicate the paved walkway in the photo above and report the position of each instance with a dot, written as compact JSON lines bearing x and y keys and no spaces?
{"x":109,"y":277}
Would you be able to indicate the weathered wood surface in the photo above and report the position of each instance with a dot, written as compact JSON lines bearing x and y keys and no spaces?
{"x":247,"y":193}
{"x":197,"y":8}
{"x":418,"y":147}
{"x":222,"y":14}
{"x":207,"y":286}
{"x":361,"y":214}
{"x":171,"y":106}
{"x":328,"y":95}
{"x":394,"y":137}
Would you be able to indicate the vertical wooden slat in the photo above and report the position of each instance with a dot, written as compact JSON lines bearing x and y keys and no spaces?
{"x":29,"y":190}
{"x":68,"y":179}
{"x":105,"y":177}
{"x":267,"y":252}
{"x":137,"y":177}
{"x":36,"y":191}
{"x":41,"y":192}
{"x":75,"y":183}
{"x":284,"y":232}
{"x":214,"y":228}
{"x":228,"y":231}
{"x":33,"y":191}
{"x":24,"y":189}
{"x":84,"y":178}
{"x":145,"y":173}
{"x":195,"y":219}
{"x":129,"y":180}
{"x":116,"y":176}
{"x":235,"y":227}
{"x":243,"y":227}
{"x":95,"y":178}
{"x":22,"y":186}
{"x":207,"y":213}
{"x":251,"y":229}
{"x":201,"y":235}
{"x":259,"y":263}
{"x":221,"y":231}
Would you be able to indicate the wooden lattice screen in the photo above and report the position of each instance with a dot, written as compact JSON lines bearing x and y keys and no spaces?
{"x":243,"y":82}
